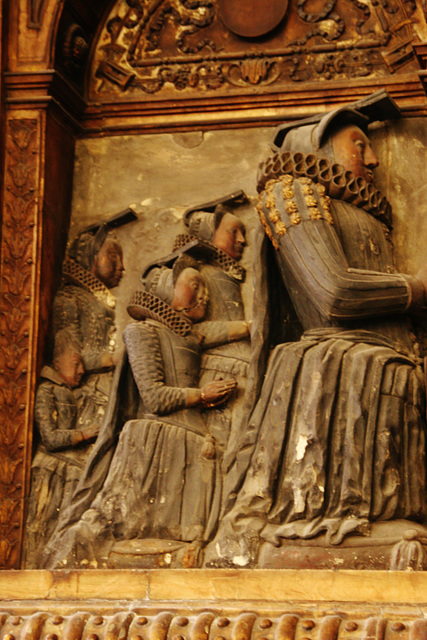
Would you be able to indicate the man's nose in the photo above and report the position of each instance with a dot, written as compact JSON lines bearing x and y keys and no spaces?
{"x":240,"y":238}
{"x":370,"y":158}
{"x":203,"y":294}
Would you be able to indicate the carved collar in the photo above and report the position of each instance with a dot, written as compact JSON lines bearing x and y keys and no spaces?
{"x":210,"y":254}
{"x":339,"y":183}
{"x":49,"y":373}
{"x":76,"y":274}
{"x":145,"y":305}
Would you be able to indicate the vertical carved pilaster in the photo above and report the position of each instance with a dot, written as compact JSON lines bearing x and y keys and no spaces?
{"x":18,"y":323}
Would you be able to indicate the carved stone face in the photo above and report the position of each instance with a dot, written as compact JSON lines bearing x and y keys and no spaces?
{"x":190,"y":295}
{"x":353,"y":151}
{"x":108,"y":263}
{"x":230,"y":236}
{"x":70,"y":367}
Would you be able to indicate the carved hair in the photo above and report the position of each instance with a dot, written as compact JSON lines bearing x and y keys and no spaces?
{"x":65,"y":340}
{"x":183,"y":262}
{"x":87,"y":245}
{"x":220,"y":211}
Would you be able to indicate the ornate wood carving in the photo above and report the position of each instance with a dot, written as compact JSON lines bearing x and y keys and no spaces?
{"x":17,"y":324}
{"x":162,"y":48}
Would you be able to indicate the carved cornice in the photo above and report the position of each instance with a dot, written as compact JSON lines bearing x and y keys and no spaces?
{"x":294,"y":102}
{"x":18,"y":282}
{"x":43,"y":89}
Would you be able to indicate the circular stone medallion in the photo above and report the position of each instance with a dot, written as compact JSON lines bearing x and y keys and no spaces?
{"x":252,"y":18}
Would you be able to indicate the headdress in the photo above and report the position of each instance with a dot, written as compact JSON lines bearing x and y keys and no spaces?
{"x":88,"y":243}
{"x":155,"y":299}
{"x":311,"y":135}
{"x":200,"y":219}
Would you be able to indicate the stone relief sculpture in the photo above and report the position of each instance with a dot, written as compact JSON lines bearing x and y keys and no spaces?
{"x":74,"y":391}
{"x":222,"y":238}
{"x":337,"y":437}
{"x":163,"y":482}
{"x":85,"y":305}
{"x":64,"y":446}
{"x":304,"y":447}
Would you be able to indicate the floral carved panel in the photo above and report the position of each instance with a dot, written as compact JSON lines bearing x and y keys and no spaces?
{"x":17,"y":324}
{"x":166,"y":48}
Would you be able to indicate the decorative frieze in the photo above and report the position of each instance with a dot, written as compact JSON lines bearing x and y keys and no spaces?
{"x":163,"y":47}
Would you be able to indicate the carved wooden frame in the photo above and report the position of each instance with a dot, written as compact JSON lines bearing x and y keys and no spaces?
{"x":37,"y":103}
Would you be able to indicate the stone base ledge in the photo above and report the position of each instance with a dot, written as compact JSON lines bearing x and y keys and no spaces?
{"x":213,"y":605}
{"x":216,"y":585}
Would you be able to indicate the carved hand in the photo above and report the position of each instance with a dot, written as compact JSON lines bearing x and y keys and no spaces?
{"x":217,"y":391}
{"x":90,"y":432}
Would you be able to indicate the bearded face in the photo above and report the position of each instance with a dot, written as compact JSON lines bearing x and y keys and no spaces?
{"x":352,"y":149}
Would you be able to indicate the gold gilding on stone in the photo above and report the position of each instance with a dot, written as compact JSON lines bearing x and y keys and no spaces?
{"x":274,"y":216}
{"x":280,"y":229}
{"x":326,"y":204}
{"x":266,"y":226}
{"x":315,"y":213}
{"x":291,"y":207}
{"x":311,"y":201}
{"x":290,"y":204}
{"x":287,"y":179}
{"x":292,"y":211}
{"x":307,"y":190}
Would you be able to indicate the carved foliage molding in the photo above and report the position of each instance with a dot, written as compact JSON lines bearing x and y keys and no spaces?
{"x":17,"y":301}
{"x":162,"y":48}
{"x":207,"y":625}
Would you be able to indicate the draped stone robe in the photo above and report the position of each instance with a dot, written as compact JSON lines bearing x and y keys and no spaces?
{"x":225,"y":361}
{"x":158,"y":485}
{"x":340,"y":421}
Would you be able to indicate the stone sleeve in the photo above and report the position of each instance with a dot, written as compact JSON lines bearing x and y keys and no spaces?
{"x":297,"y":218}
{"x":46,"y":416}
{"x":143,"y":346}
